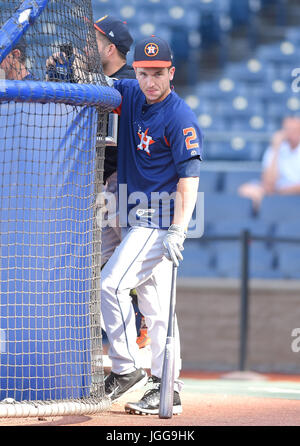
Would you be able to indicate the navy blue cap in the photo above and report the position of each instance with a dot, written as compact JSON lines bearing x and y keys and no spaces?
{"x":116,"y":31}
{"x":152,"y":52}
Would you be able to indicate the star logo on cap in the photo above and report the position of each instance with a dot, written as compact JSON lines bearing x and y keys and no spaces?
{"x":151,"y":49}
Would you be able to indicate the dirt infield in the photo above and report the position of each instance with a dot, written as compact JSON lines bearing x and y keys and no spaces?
{"x":208,"y":400}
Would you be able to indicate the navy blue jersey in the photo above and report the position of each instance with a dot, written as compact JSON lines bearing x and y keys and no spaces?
{"x":111,"y":155}
{"x":155,"y":144}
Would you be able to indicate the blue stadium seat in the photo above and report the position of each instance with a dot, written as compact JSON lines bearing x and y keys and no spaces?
{"x":141,"y":30}
{"x":252,"y":71}
{"x":288,"y":253}
{"x":229,"y":260}
{"x":237,"y":148}
{"x":286,"y":106}
{"x":276,"y":91}
{"x":288,"y":261}
{"x":223,"y":89}
{"x":226,"y":207}
{"x":239,"y":110}
{"x":240,"y":12}
{"x":228,"y":253}
{"x":177,"y":16}
{"x":280,"y":208}
{"x":292,"y":34}
{"x":210,"y":181}
{"x":235,"y":228}
{"x":284,"y":72}
{"x":252,"y":123}
{"x":287,"y":229}
{"x":199,"y":260}
{"x":210,"y":122}
{"x":284,"y":52}
{"x":234,"y":179}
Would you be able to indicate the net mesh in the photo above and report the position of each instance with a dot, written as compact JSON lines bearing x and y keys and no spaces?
{"x":50,"y":328}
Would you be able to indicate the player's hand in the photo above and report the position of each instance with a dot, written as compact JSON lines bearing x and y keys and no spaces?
{"x":79,"y":64}
{"x":59,"y":57}
{"x":56,"y":57}
{"x":173,"y":244}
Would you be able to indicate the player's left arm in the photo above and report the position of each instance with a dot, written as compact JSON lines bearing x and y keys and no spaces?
{"x":186,"y":197}
{"x":185,"y":200}
{"x":186,"y":144}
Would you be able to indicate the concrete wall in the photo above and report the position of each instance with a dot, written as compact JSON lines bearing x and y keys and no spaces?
{"x":208,"y":312}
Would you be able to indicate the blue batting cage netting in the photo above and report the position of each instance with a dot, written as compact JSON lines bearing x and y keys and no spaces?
{"x":51,"y":163}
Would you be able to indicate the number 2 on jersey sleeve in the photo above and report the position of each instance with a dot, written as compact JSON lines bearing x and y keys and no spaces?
{"x":191,"y":135}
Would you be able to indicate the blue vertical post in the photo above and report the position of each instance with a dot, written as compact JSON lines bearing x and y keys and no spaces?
{"x":244,"y":304}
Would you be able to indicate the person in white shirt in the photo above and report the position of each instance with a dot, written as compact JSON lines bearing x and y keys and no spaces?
{"x":280,"y":165}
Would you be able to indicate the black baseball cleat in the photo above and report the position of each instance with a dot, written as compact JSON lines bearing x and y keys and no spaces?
{"x":117,"y":385}
{"x":149,"y":404}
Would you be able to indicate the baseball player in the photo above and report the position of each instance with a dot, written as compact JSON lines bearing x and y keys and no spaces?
{"x":159,"y":154}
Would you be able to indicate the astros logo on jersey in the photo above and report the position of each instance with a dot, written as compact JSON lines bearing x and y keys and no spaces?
{"x":151,"y":49}
{"x":146,"y":141}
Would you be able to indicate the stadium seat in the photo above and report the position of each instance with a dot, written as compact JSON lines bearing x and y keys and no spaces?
{"x":229,"y":260}
{"x":240,"y":109}
{"x":211,"y":122}
{"x":217,"y":90}
{"x":252,"y":71}
{"x":288,"y":261}
{"x":288,"y":105}
{"x":276,"y":91}
{"x":210,"y":181}
{"x":199,"y":260}
{"x":284,"y":52}
{"x":226,"y":207}
{"x":228,"y":253}
{"x":287,"y":229}
{"x":235,"y":148}
{"x":258,"y":122}
{"x":288,"y":253}
{"x":293,"y":35}
{"x":234,"y":179}
{"x":280,"y":208}
{"x":240,"y":12}
{"x":236,"y":227}
{"x":177,"y":16}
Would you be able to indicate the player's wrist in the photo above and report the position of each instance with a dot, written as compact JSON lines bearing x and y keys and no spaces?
{"x":178,"y":229}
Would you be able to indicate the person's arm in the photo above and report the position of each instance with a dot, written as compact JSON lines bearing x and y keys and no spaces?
{"x":186,"y":197}
{"x":270,"y":173}
{"x":185,"y":140}
{"x":290,"y":190}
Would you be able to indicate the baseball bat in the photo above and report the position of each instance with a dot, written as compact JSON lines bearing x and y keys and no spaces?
{"x":167,"y":379}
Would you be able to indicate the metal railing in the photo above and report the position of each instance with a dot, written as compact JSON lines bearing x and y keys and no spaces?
{"x":245,"y":238}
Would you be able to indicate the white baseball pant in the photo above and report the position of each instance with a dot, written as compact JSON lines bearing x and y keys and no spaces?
{"x":111,"y":235}
{"x":138,"y":262}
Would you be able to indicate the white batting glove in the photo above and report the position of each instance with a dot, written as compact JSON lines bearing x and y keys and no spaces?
{"x":173,"y":243}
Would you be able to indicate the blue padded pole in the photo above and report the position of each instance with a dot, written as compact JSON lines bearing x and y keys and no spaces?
{"x":16,"y":26}
{"x":59,"y":92}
